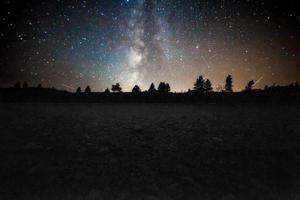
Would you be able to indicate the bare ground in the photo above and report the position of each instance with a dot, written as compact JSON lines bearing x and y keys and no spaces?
{"x":149,"y":151}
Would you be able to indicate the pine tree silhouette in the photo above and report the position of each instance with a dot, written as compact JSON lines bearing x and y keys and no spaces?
{"x":167,"y":88}
{"x":164,"y":87}
{"x":152,"y":88}
{"x":199,"y":85}
{"x":161,"y":87}
{"x":17,"y":85}
{"x":78,"y":91}
{"x":25,"y":85}
{"x":207,"y":86}
{"x":88,"y":89}
{"x":136,"y":89}
{"x":107,"y":91}
{"x":266,"y":87}
{"x":228,"y":84}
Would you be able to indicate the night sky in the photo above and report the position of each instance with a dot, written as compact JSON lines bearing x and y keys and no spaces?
{"x":70,"y":43}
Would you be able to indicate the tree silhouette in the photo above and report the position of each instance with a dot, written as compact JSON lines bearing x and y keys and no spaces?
{"x":167,"y":88}
{"x":107,"y":91}
{"x":207,"y":86}
{"x":116,"y":88}
{"x":88,"y":89}
{"x":25,"y":85}
{"x":152,"y":88}
{"x":249,"y":85}
{"x":78,"y":91}
{"x":136,"y":89}
{"x":199,"y":85}
{"x":17,"y":85}
{"x":161,"y":87}
{"x":228,"y":84}
{"x":164,"y":87}
{"x":266,"y":87}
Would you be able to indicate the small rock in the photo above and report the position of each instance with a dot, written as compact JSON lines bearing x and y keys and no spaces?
{"x":81,"y":149}
{"x":188,"y":180}
{"x":90,"y":144}
{"x":33,"y":169}
{"x":175,"y":189}
{"x":229,"y":197}
{"x":79,"y":159}
{"x":137,"y":128}
{"x":32,"y":146}
{"x":113,"y":160}
{"x":151,"y":198}
{"x":217,"y":139}
{"x":49,"y":148}
{"x":47,"y":133}
{"x":104,"y":149}
{"x":94,"y":195}
{"x":123,"y":196}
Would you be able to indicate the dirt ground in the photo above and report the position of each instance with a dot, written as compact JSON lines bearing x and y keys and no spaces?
{"x":149,"y":151}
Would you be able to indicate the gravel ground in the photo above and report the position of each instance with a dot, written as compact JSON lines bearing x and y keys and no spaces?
{"x":149,"y":151}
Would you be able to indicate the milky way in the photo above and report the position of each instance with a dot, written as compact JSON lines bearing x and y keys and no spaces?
{"x":145,"y":56}
{"x":69,"y":43}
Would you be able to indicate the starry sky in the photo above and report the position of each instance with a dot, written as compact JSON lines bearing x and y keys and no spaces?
{"x":70,"y":43}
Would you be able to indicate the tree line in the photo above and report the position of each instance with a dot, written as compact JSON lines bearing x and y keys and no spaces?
{"x":162,"y":88}
{"x":201,"y":86}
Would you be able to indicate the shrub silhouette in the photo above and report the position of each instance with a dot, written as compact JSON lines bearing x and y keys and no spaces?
{"x":116,"y":88}
{"x":152,"y":88}
{"x":228,"y":84}
{"x":249,"y":85}
{"x":88,"y":89}
{"x":136,"y":89}
{"x":25,"y":85}
{"x":207,"y":86}
{"x":17,"y":85}
{"x":107,"y":91}
{"x":168,"y":88}
{"x":266,"y":87}
{"x":78,"y":91}
{"x":199,"y":85}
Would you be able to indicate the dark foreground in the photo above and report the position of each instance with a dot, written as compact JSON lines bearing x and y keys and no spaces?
{"x":149,"y":151}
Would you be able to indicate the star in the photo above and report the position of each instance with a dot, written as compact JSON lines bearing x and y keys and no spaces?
{"x":100,"y":43}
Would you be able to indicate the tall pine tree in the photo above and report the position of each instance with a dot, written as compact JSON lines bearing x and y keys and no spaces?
{"x":199,"y":85}
{"x":207,"y":86}
{"x":228,"y":84}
